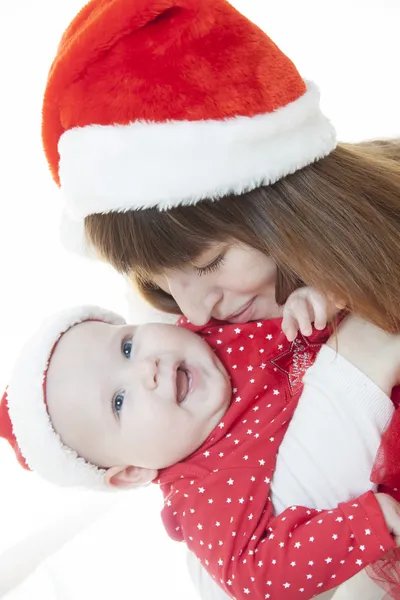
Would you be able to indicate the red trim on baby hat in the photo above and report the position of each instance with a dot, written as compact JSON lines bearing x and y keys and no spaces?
{"x":6,"y":431}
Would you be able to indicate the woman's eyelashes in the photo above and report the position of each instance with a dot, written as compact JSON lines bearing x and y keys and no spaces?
{"x":212,"y":266}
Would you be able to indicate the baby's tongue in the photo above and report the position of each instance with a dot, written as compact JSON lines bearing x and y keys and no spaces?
{"x":182,"y":385}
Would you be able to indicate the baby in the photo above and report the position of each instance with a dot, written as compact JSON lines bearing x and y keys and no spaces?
{"x":212,"y":418}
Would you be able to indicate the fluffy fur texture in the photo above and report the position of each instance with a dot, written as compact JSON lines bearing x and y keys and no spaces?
{"x":122,"y":62}
{"x":142,"y":165}
{"x":24,"y":420}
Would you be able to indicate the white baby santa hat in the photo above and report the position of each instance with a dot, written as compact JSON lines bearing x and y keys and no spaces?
{"x":24,"y":419}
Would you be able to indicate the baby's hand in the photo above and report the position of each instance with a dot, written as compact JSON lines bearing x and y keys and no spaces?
{"x":304,"y":307}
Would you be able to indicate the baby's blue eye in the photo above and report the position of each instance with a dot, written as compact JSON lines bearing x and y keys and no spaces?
{"x":127,"y":348}
{"x":118,"y":403}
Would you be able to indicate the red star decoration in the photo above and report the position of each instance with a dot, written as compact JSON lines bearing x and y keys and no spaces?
{"x":295,"y":361}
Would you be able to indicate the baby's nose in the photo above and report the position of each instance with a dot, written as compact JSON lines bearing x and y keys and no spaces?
{"x":148,"y":371}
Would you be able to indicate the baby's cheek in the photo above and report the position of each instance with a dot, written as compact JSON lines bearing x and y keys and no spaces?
{"x":224,"y":391}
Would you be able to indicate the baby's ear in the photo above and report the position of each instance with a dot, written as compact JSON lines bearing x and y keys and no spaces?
{"x":129,"y":477}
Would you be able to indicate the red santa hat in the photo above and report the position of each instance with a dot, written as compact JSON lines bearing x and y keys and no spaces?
{"x":24,"y":420}
{"x":158,"y":103}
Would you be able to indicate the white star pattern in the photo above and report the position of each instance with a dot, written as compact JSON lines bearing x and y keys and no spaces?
{"x":234,"y":458}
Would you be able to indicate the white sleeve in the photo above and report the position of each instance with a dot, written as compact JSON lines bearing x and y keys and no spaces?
{"x":328,"y":451}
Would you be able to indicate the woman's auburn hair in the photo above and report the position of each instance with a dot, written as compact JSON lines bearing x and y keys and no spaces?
{"x":334,"y":225}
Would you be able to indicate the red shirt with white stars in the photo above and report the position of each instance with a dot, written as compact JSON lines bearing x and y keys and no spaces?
{"x":218,"y":499}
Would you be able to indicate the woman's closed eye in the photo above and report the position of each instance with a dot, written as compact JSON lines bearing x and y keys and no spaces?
{"x":212,"y":266}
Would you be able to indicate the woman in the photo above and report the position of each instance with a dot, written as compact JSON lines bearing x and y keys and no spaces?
{"x":196,"y":160}
{"x":154,"y":112}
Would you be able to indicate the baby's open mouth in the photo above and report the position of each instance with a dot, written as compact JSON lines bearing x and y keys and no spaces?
{"x":183,"y":383}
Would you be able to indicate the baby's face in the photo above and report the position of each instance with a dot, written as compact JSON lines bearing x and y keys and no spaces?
{"x":146,"y":396}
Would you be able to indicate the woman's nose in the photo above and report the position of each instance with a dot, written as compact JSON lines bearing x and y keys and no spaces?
{"x":197,"y":300}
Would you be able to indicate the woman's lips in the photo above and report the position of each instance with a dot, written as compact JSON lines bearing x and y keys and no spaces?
{"x":243,"y":315}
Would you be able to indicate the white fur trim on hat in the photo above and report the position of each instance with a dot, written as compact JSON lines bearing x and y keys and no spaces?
{"x":142,"y":165}
{"x":40,"y":445}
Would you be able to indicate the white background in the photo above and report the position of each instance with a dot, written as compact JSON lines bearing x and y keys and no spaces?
{"x":349,"y":47}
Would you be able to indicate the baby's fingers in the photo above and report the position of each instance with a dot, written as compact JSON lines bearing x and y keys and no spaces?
{"x":320,"y":309}
{"x":289,"y":326}
{"x":300,"y":310}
